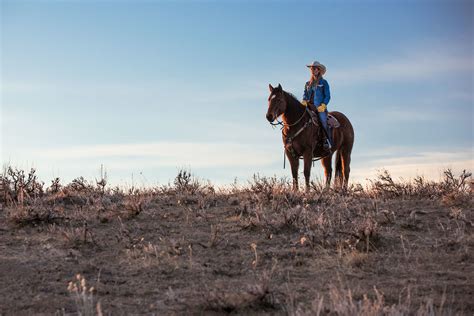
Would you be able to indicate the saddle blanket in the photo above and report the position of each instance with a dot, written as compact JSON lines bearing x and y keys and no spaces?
{"x":333,"y":122}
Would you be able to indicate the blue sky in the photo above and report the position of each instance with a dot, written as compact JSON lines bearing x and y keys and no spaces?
{"x":149,"y":87}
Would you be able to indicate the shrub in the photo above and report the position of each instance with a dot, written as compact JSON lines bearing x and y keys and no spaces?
{"x":16,"y":185}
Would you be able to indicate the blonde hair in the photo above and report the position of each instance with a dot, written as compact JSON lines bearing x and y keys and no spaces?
{"x":315,"y":80}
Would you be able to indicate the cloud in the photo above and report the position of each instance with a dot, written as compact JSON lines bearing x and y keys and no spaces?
{"x":413,"y":66}
{"x":419,"y":113}
{"x":166,"y":154}
{"x":158,"y":93}
{"x":221,"y":162}
{"x":410,"y":162}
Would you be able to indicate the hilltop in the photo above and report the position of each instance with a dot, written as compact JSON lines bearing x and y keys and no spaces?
{"x":391,"y":248}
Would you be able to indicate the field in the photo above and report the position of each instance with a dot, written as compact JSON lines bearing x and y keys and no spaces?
{"x":84,"y":248}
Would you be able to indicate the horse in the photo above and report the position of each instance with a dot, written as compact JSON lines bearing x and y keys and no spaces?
{"x":303,"y":138}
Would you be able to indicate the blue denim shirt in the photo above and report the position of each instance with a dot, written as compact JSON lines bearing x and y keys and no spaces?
{"x":321,"y":92}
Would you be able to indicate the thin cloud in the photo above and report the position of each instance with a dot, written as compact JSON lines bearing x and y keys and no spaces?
{"x":202,"y":155}
{"x":415,"y":66}
{"x":167,"y":154}
{"x":147,"y":92}
{"x":429,"y":164}
{"x":412,"y":114}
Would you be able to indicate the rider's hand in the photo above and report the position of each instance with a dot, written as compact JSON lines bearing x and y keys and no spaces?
{"x":322,"y":107}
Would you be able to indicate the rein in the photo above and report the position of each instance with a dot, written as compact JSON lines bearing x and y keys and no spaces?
{"x":289,"y":125}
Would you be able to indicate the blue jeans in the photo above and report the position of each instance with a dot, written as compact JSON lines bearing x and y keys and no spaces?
{"x":323,"y":117}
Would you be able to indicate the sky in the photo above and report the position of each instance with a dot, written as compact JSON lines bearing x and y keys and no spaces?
{"x":146,"y":88}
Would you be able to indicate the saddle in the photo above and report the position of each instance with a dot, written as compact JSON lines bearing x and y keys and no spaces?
{"x":333,"y":122}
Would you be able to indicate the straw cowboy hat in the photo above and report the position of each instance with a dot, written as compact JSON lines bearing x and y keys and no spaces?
{"x":321,"y":67}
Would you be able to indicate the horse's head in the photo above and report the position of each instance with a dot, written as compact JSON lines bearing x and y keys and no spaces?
{"x":276,"y":103}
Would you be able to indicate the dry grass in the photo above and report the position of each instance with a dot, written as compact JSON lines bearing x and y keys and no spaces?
{"x":340,"y":301}
{"x":83,"y":296}
{"x":451,"y":185}
{"x":258,"y":295}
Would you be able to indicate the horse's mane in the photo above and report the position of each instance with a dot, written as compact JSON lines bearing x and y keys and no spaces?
{"x":292,"y":99}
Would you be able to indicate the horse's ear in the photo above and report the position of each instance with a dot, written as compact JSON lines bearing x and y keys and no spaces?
{"x":270,"y":87}
{"x":279,"y":87}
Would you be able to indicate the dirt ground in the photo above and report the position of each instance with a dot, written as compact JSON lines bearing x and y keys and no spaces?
{"x":263,"y":249}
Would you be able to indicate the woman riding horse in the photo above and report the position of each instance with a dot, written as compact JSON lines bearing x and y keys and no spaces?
{"x":301,"y":137}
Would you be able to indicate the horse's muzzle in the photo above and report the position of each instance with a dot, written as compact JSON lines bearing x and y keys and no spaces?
{"x":270,"y":117}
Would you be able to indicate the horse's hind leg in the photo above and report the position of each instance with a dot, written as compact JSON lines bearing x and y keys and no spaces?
{"x":346,"y":166}
{"x":294,"y":164}
{"x":326,"y":162}
{"x":338,"y":176}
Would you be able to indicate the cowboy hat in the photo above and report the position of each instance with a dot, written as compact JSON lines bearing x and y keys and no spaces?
{"x":321,"y":67}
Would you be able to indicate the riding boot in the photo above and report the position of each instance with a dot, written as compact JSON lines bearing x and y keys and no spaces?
{"x":329,"y":133}
{"x":323,"y":116}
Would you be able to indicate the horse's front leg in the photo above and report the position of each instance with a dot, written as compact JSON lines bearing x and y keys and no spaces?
{"x":308,"y":159}
{"x":294,"y":163}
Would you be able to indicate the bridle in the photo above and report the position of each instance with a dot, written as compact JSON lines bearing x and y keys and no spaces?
{"x":283,"y":125}
{"x":289,"y":125}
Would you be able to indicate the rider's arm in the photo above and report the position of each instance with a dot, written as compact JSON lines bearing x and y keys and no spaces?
{"x":327,"y":93}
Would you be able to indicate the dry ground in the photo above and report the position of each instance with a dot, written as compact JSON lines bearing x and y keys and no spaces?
{"x":389,"y":249}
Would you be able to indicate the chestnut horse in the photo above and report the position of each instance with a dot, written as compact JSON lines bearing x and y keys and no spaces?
{"x":302,"y":138}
